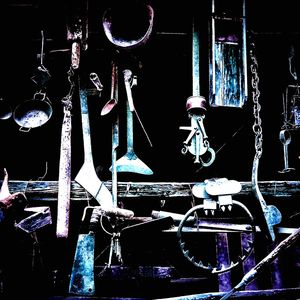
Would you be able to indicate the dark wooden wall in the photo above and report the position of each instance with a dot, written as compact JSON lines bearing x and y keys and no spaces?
{"x":163,"y":69}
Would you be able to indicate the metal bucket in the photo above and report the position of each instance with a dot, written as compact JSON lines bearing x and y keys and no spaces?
{"x":128,"y":25}
{"x":33,"y":113}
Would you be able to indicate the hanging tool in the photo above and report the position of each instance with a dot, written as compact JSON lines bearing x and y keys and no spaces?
{"x":197,"y":141}
{"x":130,"y":162}
{"x":41,"y":74}
{"x":271,"y":214}
{"x":115,"y":246}
{"x":130,"y":81}
{"x":285,"y":139}
{"x":75,"y":34}
{"x":251,"y":275}
{"x":64,"y":176}
{"x":128,"y":19}
{"x":118,"y":21}
{"x":87,"y":176}
{"x":113,"y":101}
{"x":96,"y":81}
{"x":82,"y":275}
{"x":115,"y":131}
{"x":37,"y":111}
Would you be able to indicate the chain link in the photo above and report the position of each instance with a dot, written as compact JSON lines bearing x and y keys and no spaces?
{"x":67,"y":100}
{"x":257,"y":128}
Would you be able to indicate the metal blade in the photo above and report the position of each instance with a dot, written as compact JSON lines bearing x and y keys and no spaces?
{"x":131,"y":163}
{"x":82,"y":276}
{"x":88,"y":179}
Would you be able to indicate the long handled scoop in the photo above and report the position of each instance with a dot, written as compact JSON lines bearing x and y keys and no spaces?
{"x":130,"y":162}
{"x":87,"y":176}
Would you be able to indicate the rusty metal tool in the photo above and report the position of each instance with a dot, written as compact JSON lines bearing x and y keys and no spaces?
{"x":87,"y":176}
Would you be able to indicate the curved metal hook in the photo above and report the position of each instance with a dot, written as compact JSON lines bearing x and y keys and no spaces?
{"x":212,"y":158}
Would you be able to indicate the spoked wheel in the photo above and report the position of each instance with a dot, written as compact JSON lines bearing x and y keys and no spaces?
{"x":200,"y":228}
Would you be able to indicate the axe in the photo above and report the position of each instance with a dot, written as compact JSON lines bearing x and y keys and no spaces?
{"x":82,"y":276}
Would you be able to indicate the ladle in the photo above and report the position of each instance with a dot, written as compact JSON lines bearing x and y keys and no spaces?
{"x":111,"y":103}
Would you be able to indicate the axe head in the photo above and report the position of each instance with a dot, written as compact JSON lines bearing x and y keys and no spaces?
{"x":82,"y":276}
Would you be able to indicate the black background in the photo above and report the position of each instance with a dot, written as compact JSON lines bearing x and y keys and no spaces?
{"x":164,"y":76}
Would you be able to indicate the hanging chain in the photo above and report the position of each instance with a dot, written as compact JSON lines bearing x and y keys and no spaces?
{"x":67,"y":100}
{"x":257,"y":128}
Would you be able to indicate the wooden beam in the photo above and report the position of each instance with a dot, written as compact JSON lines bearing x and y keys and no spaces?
{"x":47,"y":190}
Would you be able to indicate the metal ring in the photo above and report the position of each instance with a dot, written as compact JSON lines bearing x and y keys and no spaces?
{"x":189,"y":254}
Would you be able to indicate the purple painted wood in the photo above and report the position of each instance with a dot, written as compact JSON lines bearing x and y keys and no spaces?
{"x":249,"y":262}
{"x":223,"y":258}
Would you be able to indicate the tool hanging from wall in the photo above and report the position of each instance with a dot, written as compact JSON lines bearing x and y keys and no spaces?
{"x":37,"y":111}
{"x":86,"y":176}
{"x":130,"y":162}
{"x":228,"y":56}
{"x":82,"y":276}
{"x":64,"y":177}
{"x":127,"y":26}
{"x":291,"y":111}
{"x":197,"y":141}
{"x":271,"y":214}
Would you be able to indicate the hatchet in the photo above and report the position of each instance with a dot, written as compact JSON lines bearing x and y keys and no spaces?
{"x":82,"y":276}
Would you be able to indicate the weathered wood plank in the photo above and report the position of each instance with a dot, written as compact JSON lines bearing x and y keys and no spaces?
{"x":48,"y":190}
{"x":293,"y":293}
